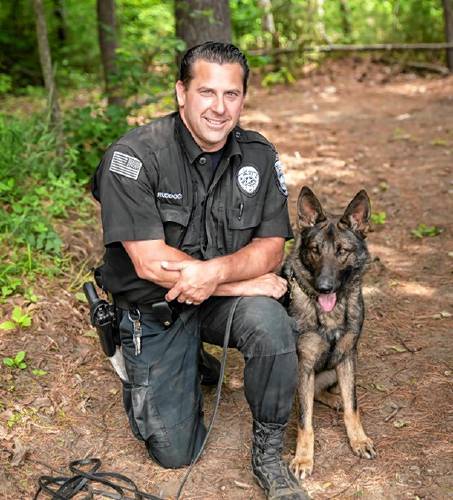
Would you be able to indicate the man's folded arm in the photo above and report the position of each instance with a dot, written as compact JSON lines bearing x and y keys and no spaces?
{"x":147,"y":255}
{"x":241,"y":273}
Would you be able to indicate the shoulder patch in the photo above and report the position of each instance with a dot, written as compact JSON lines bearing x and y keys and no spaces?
{"x":248,"y":180}
{"x":126,"y":165}
{"x":280,"y":176}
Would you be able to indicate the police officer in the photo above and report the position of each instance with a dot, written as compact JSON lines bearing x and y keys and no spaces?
{"x":194,"y":214}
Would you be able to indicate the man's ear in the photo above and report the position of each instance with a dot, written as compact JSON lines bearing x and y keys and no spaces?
{"x":180,"y":93}
{"x":309,"y":210}
{"x":357,"y":214}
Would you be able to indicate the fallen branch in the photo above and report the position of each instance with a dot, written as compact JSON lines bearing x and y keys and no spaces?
{"x":351,"y":48}
{"x":433,"y":68}
{"x":396,"y":409}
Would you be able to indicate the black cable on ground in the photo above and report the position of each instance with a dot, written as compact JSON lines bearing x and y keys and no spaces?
{"x":87,"y":471}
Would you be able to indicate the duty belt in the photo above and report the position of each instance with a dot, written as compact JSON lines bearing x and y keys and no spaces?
{"x":162,"y":311}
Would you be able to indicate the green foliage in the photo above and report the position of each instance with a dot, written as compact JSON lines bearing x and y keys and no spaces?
{"x":379,"y":218}
{"x":19,"y":319}
{"x":38,"y":190}
{"x":18,"y":362}
{"x":424,"y":231}
{"x":282,"y":76}
{"x":147,"y":46}
{"x":38,"y":372}
{"x":289,"y":245}
{"x":5,"y":83}
{"x":89,"y":131}
{"x":14,"y":419}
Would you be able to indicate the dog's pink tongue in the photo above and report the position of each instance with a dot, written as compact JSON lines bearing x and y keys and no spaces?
{"x":327,"y":301}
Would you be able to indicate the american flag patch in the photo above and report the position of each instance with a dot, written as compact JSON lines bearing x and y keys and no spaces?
{"x":125,"y":165}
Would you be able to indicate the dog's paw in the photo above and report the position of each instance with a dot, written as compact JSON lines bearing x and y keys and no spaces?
{"x":302,"y":467}
{"x":364,"y":448}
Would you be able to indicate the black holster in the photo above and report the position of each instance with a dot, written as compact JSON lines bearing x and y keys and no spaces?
{"x":103,"y":318}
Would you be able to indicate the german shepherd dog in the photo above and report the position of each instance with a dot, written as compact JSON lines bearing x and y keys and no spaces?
{"x":324,"y":271}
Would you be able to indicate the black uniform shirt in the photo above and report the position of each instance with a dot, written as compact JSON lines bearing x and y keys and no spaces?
{"x":156,"y":183}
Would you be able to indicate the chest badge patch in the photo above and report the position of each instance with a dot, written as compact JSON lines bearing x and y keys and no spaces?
{"x":280,"y":177}
{"x":125,"y":165}
{"x":248,"y":180}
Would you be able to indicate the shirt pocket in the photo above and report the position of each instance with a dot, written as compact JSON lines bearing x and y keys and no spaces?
{"x":242,"y":222}
{"x":175,"y":220}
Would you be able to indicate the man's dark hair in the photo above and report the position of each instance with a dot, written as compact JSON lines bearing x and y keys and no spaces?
{"x":213,"y":52}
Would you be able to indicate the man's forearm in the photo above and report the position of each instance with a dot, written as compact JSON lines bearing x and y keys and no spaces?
{"x":260,"y":256}
{"x":193,"y":280}
{"x":147,"y":257}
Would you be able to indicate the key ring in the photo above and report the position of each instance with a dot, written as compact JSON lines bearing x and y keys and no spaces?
{"x":135,"y":312}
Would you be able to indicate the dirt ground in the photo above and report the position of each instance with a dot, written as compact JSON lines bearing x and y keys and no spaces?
{"x":350,"y":126}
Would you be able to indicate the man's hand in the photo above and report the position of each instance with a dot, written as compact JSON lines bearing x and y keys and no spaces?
{"x":197,"y":280}
{"x":267,"y":285}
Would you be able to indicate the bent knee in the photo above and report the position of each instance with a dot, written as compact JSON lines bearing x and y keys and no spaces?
{"x":185,"y":441}
{"x":267,"y":328}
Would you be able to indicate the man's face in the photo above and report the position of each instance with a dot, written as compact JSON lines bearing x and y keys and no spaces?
{"x":211,"y":104}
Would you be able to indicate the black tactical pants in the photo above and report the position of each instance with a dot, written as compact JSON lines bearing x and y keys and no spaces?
{"x":163,"y":399}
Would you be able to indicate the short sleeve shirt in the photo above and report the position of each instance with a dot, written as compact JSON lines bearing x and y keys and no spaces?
{"x":156,"y":183}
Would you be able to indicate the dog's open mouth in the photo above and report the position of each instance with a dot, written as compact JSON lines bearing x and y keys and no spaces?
{"x":327,"y":301}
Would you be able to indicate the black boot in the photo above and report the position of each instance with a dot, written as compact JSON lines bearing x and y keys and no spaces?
{"x":208,"y":367}
{"x":272,"y":474}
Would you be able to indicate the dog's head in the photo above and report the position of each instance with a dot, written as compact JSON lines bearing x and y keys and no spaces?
{"x":333,"y":248}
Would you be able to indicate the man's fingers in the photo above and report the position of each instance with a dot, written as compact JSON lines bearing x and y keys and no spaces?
{"x":173,"y":266}
{"x":173,"y":293}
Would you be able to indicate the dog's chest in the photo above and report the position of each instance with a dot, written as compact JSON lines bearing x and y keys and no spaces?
{"x":310,"y":317}
{"x":320,"y":344}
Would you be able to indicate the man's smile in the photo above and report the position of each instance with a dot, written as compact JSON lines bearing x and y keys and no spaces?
{"x":215,"y":122}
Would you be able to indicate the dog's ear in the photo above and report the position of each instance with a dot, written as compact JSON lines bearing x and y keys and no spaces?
{"x":357,"y":214}
{"x":309,"y":209}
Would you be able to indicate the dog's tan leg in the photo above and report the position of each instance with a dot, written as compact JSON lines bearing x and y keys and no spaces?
{"x":360,"y":443}
{"x":302,"y":463}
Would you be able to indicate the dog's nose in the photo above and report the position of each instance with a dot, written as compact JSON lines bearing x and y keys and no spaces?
{"x":325,"y":285}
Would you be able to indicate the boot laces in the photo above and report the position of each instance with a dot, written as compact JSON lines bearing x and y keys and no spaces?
{"x":270,"y":441}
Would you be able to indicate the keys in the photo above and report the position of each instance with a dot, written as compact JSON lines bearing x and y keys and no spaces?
{"x":134,"y":317}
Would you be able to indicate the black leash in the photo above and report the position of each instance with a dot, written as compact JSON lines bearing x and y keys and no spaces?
{"x":64,"y":487}
{"x":226,"y":340}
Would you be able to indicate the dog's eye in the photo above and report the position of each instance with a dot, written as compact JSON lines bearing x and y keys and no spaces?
{"x":343,"y":251}
{"x":314,"y":250}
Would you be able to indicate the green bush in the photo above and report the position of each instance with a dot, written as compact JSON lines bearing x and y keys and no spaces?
{"x":37,"y":189}
{"x":89,"y":131}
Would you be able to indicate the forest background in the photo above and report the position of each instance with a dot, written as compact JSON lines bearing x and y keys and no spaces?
{"x":132,"y":46}
{"x":353,"y":93}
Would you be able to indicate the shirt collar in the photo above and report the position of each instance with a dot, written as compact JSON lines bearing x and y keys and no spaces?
{"x":194,"y":151}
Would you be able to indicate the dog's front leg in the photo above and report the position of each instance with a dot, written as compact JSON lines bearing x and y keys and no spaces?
{"x":302,"y":463}
{"x":361,"y":444}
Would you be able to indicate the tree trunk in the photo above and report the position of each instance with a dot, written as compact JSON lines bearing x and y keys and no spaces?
{"x":46,"y":66}
{"x":345,"y":22}
{"x":199,"y":21}
{"x":58,"y":10}
{"x":448,"y":15}
{"x":269,"y":26}
{"x":268,"y":17}
{"x":108,"y":45}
